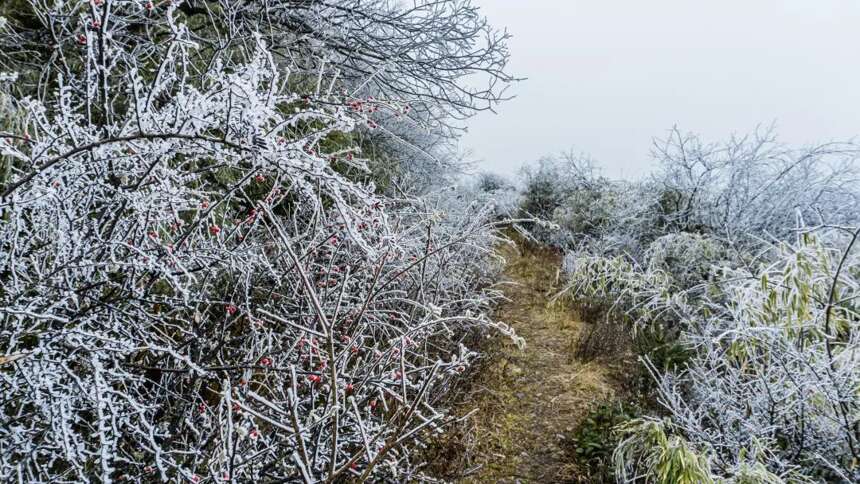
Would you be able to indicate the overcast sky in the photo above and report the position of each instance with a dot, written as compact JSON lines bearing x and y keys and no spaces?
{"x":606,"y":76}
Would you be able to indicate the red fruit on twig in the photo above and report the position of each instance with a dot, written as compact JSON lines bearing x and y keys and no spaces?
{"x":214,"y":229}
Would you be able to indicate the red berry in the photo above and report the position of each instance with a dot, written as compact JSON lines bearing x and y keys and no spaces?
{"x":214,"y":229}
{"x":314,"y":378}
{"x":260,"y":178}
{"x":231,"y":309}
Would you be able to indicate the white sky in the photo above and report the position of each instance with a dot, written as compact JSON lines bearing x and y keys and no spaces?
{"x":606,"y":76}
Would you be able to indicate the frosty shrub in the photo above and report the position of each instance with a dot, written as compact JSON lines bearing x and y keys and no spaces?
{"x":688,"y":259}
{"x":200,"y":280}
{"x":557,"y":191}
{"x":499,"y":192}
{"x":741,"y":194}
{"x":774,"y":377}
{"x":642,"y":249}
{"x":617,"y":285}
{"x":753,"y":186}
{"x":646,"y":452}
{"x":491,"y":182}
{"x":587,"y":212}
{"x":631,"y":307}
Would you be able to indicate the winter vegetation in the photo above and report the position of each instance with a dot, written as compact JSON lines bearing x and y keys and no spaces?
{"x":237,"y":246}
{"x":222,"y":257}
{"x":736,"y":268}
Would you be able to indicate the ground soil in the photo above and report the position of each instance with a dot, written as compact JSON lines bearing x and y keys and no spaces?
{"x":527,"y":404}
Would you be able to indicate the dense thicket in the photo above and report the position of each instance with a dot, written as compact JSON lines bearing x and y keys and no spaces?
{"x":741,"y":261}
{"x":211,"y":266}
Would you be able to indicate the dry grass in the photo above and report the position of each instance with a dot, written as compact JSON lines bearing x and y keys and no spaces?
{"x":530,"y":402}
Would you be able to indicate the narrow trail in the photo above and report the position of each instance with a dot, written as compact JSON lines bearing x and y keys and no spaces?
{"x":528,"y":403}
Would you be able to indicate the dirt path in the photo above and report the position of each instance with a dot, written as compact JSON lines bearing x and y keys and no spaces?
{"x":530,"y":402}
